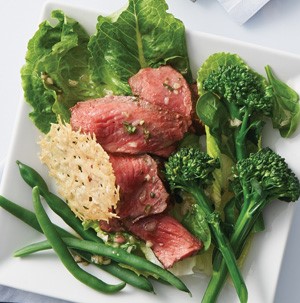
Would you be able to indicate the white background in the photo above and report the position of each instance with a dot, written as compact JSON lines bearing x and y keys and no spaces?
{"x":277,"y":26}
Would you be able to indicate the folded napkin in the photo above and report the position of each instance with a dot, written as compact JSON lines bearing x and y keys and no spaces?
{"x":242,"y":10}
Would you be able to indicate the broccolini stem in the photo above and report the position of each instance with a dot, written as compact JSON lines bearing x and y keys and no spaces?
{"x":223,"y":244}
{"x":245,"y":223}
{"x":240,"y":135}
{"x":243,"y":227}
{"x":215,"y":284}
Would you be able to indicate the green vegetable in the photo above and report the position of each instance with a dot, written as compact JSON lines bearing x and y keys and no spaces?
{"x":123,"y":257}
{"x":116,"y":254}
{"x":237,"y":103}
{"x":55,"y":75}
{"x":33,"y":178}
{"x":261,"y":178}
{"x":195,"y":221}
{"x":122,"y":273}
{"x":113,"y":268}
{"x":63,"y":253}
{"x":286,"y":108}
{"x":142,"y":35}
{"x":190,"y":170}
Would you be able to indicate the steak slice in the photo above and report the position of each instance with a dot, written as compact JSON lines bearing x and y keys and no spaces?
{"x":165,"y":87}
{"x":169,"y":240}
{"x":122,"y":124}
{"x":141,"y":190}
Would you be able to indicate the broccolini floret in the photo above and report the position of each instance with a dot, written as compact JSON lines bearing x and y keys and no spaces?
{"x":190,"y":166}
{"x":190,"y":170}
{"x":271,"y":173}
{"x":239,"y":85}
{"x":262,"y":177}
{"x":242,"y":102}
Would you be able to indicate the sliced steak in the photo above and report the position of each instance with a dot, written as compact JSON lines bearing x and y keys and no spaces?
{"x":165,"y":87}
{"x":124,"y":125}
{"x":141,"y":190}
{"x":169,"y":240}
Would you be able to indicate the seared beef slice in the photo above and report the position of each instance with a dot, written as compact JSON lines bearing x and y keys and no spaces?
{"x":169,"y":240}
{"x":141,"y":191}
{"x":165,"y":87}
{"x":125,"y":125}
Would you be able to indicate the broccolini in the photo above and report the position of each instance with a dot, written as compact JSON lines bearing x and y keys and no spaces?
{"x":260,"y":179}
{"x":190,"y":170}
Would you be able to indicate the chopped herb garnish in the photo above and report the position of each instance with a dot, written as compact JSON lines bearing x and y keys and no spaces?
{"x":131,"y":129}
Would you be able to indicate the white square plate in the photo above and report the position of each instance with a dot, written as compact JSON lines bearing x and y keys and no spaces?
{"x":44,"y":274}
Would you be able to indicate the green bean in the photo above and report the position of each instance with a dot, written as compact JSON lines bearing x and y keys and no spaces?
{"x":30,"y":219}
{"x":122,"y":273}
{"x":63,"y":253}
{"x":123,"y":257}
{"x":33,"y":178}
{"x":32,"y":248}
{"x":21,"y":213}
{"x":116,"y":254}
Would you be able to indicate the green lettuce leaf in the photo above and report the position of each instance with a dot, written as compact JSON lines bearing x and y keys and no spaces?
{"x":55,"y":75}
{"x":142,"y":35}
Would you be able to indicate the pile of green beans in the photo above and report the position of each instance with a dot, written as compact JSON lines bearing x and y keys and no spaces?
{"x":29,"y":218}
{"x":88,"y":245}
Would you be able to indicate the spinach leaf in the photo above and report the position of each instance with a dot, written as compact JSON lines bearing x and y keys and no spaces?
{"x":286,"y":108}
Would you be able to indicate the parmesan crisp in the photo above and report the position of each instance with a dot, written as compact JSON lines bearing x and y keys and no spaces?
{"x":82,"y":171}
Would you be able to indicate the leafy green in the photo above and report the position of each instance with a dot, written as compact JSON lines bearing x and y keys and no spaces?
{"x":190,"y":139}
{"x":142,"y":35}
{"x":215,"y":115}
{"x":196,"y":223}
{"x":286,"y":109}
{"x":55,"y":75}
